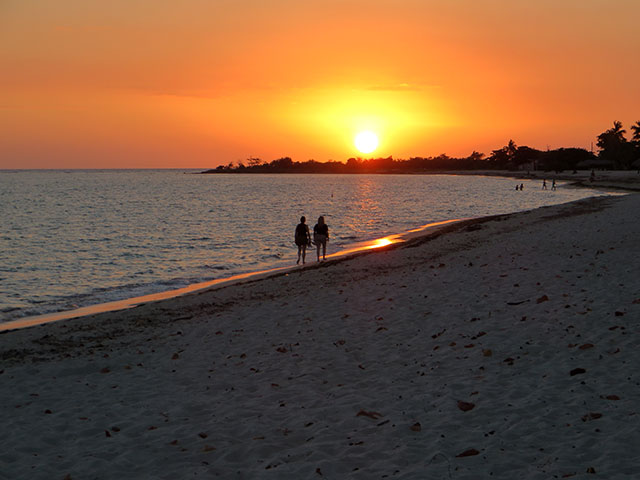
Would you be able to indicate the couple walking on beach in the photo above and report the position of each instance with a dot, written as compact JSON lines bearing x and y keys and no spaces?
{"x":303,"y":238}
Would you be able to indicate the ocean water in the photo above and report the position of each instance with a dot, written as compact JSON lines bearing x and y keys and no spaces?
{"x":82,"y":237}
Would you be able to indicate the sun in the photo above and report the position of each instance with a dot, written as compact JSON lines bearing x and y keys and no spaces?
{"x":366,"y":141}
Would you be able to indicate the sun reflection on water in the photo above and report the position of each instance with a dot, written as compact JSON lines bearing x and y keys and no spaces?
{"x":381,"y":242}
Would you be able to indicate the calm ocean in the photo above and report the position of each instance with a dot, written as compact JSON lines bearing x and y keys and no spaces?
{"x":82,"y":237}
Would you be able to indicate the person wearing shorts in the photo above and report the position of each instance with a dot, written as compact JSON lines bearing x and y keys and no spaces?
{"x":320,"y":237}
{"x":302,"y":238}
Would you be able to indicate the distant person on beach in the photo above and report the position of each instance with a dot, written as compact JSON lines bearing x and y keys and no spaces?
{"x":302,"y":238}
{"x":320,"y":237}
{"x":553,"y":184}
{"x":544,"y":184}
{"x":521,"y":186}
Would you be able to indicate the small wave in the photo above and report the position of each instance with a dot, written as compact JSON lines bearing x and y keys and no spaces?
{"x":131,"y":255}
{"x":174,"y":282}
{"x":9,"y":309}
{"x":270,"y":256}
{"x":216,"y":267}
{"x":92,"y":296}
{"x":37,"y":302}
{"x":143,"y":272}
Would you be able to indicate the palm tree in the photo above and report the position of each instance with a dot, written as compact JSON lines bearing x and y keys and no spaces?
{"x":617,"y":131}
{"x":636,"y":131}
{"x":614,"y":146}
{"x":635,"y":141}
{"x":613,"y":136}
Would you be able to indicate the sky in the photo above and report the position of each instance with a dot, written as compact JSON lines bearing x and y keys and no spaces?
{"x":200,"y":83}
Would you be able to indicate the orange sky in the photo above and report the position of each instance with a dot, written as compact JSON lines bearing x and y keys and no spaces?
{"x":198,"y":83}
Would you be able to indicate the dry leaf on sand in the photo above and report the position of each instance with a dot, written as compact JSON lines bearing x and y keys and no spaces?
{"x":468,"y":453}
{"x":465,"y":406}
{"x":364,"y":413}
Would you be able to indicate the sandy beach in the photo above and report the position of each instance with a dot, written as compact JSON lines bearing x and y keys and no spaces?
{"x":504,"y":347}
{"x":608,"y":180}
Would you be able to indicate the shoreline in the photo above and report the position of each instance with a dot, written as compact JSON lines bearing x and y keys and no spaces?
{"x":626,"y":180}
{"x":625,"y":184}
{"x":132,"y":302}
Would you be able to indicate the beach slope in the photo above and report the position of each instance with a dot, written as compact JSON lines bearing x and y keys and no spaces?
{"x":504,"y":347}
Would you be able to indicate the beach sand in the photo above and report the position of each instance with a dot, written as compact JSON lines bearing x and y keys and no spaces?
{"x":504,"y":347}
{"x":602,"y":179}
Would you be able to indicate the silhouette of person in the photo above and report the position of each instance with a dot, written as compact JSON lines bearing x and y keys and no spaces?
{"x":544,"y":184}
{"x":521,"y":186}
{"x":553,"y":184}
{"x":302,"y":239}
{"x":320,"y":237}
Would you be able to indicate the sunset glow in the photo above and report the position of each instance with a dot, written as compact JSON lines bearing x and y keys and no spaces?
{"x":200,"y":84}
{"x":381,"y":242}
{"x":366,"y":141}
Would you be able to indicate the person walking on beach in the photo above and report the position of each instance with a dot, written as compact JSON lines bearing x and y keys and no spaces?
{"x":320,"y":237}
{"x":302,"y":238}
{"x":553,"y":184}
{"x":544,"y":184}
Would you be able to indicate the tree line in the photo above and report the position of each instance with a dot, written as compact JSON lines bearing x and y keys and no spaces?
{"x":616,"y":149}
{"x":615,"y":152}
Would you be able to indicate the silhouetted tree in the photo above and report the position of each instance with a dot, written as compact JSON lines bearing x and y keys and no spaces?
{"x":498,"y":158}
{"x":475,"y":160}
{"x":502,"y":158}
{"x":283,"y":164}
{"x":565,"y":159}
{"x":636,"y":132}
{"x":418,"y":164}
{"x":475,"y":156}
{"x":353,"y":164}
{"x":525,"y":157}
{"x":381,"y":164}
{"x":614,"y":146}
{"x":635,"y":140}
